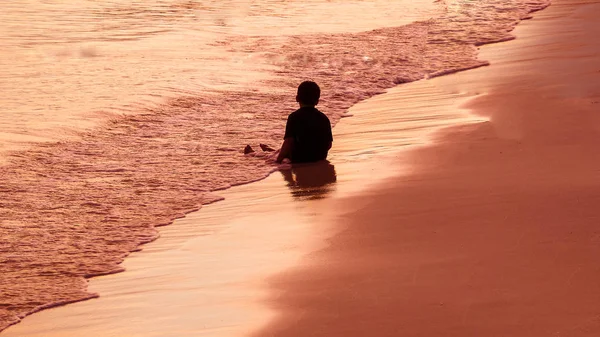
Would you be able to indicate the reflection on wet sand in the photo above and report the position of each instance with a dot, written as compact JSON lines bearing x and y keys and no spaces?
{"x":311,"y":181}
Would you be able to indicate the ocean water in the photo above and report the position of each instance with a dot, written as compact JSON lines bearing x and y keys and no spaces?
{"x":119,"y":116}
{"x":69,"y":65}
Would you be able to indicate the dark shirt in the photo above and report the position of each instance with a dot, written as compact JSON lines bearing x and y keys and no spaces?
{"x":311,"y":131}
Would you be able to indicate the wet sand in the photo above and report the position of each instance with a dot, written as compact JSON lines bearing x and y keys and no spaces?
{"x":495,"y":232}
{"x":207,"y":273}
{"x":488,"y":232}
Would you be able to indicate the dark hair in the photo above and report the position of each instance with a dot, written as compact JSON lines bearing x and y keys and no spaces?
{"x":308,"y":93}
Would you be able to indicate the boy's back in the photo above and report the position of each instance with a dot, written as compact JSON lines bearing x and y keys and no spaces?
{"x":311,"y":132}
{"x":308,"y":135}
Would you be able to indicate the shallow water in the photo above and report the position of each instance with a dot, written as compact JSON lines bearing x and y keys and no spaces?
{"x":197,"y":82}
{"x":70,"y":65}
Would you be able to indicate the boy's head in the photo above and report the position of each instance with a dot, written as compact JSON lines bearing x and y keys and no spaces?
{"x":308,"y":93}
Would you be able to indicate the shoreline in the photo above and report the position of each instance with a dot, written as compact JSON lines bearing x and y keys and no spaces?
{"x":357,"y":167}
{"x":301,"y":210}
{"x":147,"y":184}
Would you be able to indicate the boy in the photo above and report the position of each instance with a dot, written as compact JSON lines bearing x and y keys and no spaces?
{"x":308,"y":135}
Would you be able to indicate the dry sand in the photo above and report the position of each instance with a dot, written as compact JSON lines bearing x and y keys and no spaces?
{"x":496,"y":231}
{"x":490,"y":231}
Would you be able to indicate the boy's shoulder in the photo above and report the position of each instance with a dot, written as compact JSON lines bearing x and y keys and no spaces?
{"x":307,"y":110}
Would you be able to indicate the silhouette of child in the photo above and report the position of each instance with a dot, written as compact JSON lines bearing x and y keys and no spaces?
{"x":308,"y":135}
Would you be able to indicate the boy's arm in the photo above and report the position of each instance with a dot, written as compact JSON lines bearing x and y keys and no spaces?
{"x":286,"y":149}
{"x":288,"y":140}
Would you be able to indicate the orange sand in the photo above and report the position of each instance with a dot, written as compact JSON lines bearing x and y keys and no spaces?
{"x":489,"y":232}
{"x":496,"y":231}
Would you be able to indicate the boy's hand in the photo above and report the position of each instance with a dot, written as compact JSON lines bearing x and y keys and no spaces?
{"x":286,"y":149}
